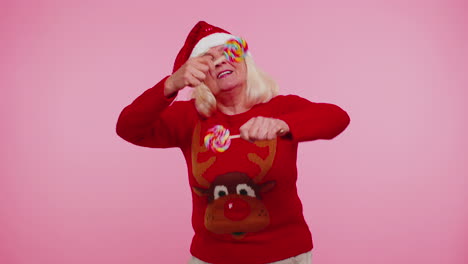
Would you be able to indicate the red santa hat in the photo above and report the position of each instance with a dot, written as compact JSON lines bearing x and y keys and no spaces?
{"x":201,"y":38}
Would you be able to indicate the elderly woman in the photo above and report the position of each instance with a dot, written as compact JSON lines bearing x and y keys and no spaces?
{"x":246,"y":209}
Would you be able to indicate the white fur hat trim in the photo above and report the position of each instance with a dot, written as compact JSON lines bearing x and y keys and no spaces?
{"x":210,"y":41}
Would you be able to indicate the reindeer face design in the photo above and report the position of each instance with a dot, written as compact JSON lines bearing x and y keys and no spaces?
{"x":235,"y":206}
{"x":234,"y":199}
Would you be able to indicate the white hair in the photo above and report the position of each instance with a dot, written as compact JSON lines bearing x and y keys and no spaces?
{"x":260,"y":89}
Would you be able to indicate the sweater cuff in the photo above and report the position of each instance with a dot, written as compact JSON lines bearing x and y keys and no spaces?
{"x":159,"y":93}
{"x":326,"y":121}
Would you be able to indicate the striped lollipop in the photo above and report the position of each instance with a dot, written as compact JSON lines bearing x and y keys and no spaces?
{"x":235,"y":49}
{"x":218,"y":138}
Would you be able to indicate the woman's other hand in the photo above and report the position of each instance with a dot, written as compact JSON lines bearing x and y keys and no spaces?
{"x":263,"y":128}
{"x":192,"y":74}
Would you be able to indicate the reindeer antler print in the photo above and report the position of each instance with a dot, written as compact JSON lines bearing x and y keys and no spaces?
{"x":198,"y":168}
{"x":234,"y":199}
{"x":264,"y":164}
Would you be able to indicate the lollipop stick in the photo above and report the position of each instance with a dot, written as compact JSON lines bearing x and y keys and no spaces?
{"x":234,"y":136}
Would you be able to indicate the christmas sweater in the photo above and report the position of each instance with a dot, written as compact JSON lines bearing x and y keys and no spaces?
{"x":246,"y":208}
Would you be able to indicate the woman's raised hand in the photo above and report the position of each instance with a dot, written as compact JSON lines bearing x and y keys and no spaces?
{"x":192,"y":74}
{"x":263,"y":128}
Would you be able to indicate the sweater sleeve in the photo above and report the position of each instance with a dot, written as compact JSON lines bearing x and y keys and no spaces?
{"x":311,"y":121}
{"x":151,"y":121}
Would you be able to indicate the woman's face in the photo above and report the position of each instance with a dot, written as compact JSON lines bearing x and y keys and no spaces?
{"x":227,"y":75}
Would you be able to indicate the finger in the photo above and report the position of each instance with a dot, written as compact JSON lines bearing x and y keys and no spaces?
{"x":244,"y":130}
{"x":264,"y":127}
{"x":208,"y":67}
{"x":205,"y":60}
{"x":251,"y":129}
{"x":270,"y":128}
{"x":198,"y":74}
{"x":271,"y":135}
{"x":273,"y":128}
{"x":211,"y":67}
{"x":200,"y":66}
{"x":255,"y":131}
{"x":197,"y":63}
{"x":192,"y":81}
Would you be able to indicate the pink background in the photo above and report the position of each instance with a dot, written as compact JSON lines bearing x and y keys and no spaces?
{"x":391,"y":189}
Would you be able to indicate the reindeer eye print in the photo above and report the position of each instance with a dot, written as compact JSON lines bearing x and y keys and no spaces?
{"x":220,"y":191}
{"x":244,"y":189}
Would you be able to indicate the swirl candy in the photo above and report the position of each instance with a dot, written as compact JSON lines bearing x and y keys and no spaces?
{"x":235,"y":49}
{"x":217,"y":139}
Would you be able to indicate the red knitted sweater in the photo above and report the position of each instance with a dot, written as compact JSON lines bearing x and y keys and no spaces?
{"x":245,"y":203}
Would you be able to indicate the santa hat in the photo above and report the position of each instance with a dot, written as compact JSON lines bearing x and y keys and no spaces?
{"x":201,"y":38}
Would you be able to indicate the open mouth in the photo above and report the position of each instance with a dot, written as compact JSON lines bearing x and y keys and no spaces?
{"x":224,"y":74}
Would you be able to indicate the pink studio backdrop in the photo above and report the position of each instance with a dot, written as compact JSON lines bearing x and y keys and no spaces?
{"x":390,"y":189}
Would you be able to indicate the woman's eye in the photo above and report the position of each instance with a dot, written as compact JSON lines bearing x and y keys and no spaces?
{"x":220,"y":191}
{"x":244,"y":189}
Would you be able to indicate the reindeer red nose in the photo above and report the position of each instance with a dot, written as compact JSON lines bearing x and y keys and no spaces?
{"x":236,"y":209}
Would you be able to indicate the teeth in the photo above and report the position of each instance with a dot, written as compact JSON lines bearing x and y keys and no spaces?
{"x":224,"y":73}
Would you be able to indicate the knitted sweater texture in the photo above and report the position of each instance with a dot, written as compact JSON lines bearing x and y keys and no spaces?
{"x":245,"y":203}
